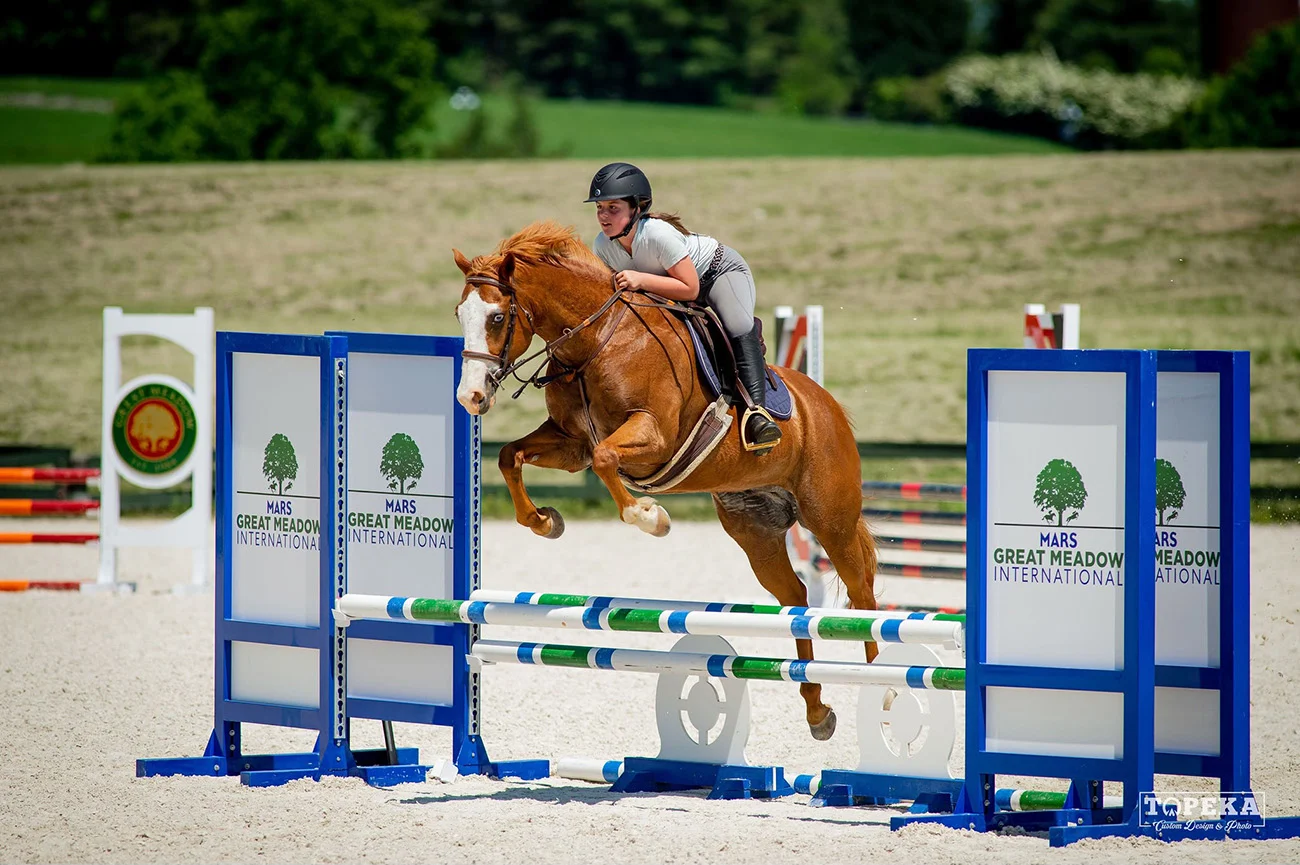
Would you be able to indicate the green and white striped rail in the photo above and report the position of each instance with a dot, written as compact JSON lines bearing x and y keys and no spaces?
{"x":1043,"y":800}
{"x":1007,"y":799}
{"x":555,"y":599}
{"x":878,"y":629}
{"x":719,"y":666}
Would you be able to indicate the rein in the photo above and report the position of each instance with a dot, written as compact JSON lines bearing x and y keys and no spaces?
{"x":505,"y":369}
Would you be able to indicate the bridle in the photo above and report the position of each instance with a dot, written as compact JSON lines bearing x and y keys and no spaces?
{"x":504,"y":368}
{"x":573,"y":373}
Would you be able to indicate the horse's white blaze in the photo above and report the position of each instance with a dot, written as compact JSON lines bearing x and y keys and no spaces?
{"x":473,"y":314}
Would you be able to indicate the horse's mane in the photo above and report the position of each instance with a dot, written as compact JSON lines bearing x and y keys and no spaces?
{"x":546,"y":242}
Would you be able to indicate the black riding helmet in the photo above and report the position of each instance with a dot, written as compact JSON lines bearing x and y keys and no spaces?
{"x":622,"y":180}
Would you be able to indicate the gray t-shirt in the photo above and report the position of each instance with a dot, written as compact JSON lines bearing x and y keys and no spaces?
{"x":656,"y":246}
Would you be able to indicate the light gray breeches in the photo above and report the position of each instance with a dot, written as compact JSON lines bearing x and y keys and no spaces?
{"x":733,"y":293}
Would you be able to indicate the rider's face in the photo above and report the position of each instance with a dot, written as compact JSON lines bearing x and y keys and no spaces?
{"x":613,"y":216}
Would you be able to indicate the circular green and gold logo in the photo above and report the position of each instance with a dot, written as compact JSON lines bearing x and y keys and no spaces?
{"x":154,"y":428}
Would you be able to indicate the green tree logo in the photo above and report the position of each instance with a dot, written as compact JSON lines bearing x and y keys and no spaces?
{"x":1170,"y":493}
{"x":401,"y":463}
{"x":280,"y":463}
{"x":1060,"y":489}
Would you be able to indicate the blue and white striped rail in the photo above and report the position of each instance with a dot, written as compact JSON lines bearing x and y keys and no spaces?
{"x":588,"y":769}
{"x":803,"y":627}
{"x":719,"y":666}
{"x":602,"y":602}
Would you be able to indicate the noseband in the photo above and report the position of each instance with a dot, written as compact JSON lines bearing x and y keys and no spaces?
{"x":503,"y":367}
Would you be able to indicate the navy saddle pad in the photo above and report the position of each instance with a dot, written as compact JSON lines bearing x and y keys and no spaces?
{"x":778,"y":399}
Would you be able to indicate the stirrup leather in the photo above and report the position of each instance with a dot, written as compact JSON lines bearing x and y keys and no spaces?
{"x":744,"y":424}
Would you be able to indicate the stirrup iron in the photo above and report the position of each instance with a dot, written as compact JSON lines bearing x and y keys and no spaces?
{"x":744,"y":424}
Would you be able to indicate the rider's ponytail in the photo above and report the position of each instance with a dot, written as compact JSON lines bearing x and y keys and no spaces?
{"x":670,"y":218}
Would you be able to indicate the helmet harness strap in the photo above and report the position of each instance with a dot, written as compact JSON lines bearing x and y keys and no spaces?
{"x":632,"y":220}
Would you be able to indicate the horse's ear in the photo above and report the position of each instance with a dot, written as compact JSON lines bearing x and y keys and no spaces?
{"x":461,"y":261}
{"x":507,"y":268}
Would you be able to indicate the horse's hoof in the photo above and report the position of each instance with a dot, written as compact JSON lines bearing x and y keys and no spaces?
{"x":823,"y":731}
{"x":648,"y":516}
{"x":557,"y":522}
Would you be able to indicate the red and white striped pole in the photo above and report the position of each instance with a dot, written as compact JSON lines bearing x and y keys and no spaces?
{"x":58,"y":476}
{"x":38,"y":507}
{"x":1045,"y":329}
{"x":45,"y":538}
{"x":799,"y":345}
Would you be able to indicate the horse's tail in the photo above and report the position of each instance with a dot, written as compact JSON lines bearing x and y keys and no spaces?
{"x":867,"y":545}
{"x":867,"y":549}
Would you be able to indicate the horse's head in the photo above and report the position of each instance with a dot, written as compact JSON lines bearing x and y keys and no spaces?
{"x":496,"y":328}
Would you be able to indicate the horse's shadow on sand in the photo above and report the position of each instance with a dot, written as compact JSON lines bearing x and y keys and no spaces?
{"x":571,"y":795}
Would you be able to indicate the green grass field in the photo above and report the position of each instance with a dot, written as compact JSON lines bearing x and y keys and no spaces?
{"x":584,"y":130}
{"x":29,"y":136}
{"x":62,"y":130}
{"x":607,"y":130}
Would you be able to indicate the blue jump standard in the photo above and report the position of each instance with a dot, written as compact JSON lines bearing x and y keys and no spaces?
{"x":1136,"y":674}
{"x":652,"y":775}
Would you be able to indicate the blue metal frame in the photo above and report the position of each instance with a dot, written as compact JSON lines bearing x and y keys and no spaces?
{"x":1083,"y":816}
{"x":976,"y":805}
{"x":466,"y":566}
{"x":655,"y":775}
{"x":840,"y":788}
{"x":224,"y":754}
{"x":468,"y":750}
{"x":1232,"y":677}
{"x":230,"y":713}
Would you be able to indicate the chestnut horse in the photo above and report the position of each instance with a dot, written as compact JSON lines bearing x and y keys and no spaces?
{"x":626,"y":392}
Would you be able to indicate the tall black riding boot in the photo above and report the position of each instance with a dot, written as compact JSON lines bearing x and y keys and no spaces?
{"x":758,"y":431}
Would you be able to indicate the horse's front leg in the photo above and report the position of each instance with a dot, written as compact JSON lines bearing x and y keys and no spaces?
{"x":547,"y":447}
{"x":638,"y":440}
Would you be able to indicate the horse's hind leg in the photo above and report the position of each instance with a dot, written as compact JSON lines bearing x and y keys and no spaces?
{"x":843,"y":534}
{"x":758,"y":521}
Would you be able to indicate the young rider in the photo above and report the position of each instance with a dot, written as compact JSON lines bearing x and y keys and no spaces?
{"x":654,"y":252}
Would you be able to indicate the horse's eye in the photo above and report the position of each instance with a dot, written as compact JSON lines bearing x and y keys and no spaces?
{"x":498,"y":318}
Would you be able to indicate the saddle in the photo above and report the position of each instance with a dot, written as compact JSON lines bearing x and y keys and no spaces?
{"x":717,"y":365}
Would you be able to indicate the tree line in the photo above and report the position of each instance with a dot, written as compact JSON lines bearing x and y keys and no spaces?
{"x":815,"y":55}
{"x":304,"y":79}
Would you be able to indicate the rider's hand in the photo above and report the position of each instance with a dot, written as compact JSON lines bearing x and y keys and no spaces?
{"x":631,"y":280}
